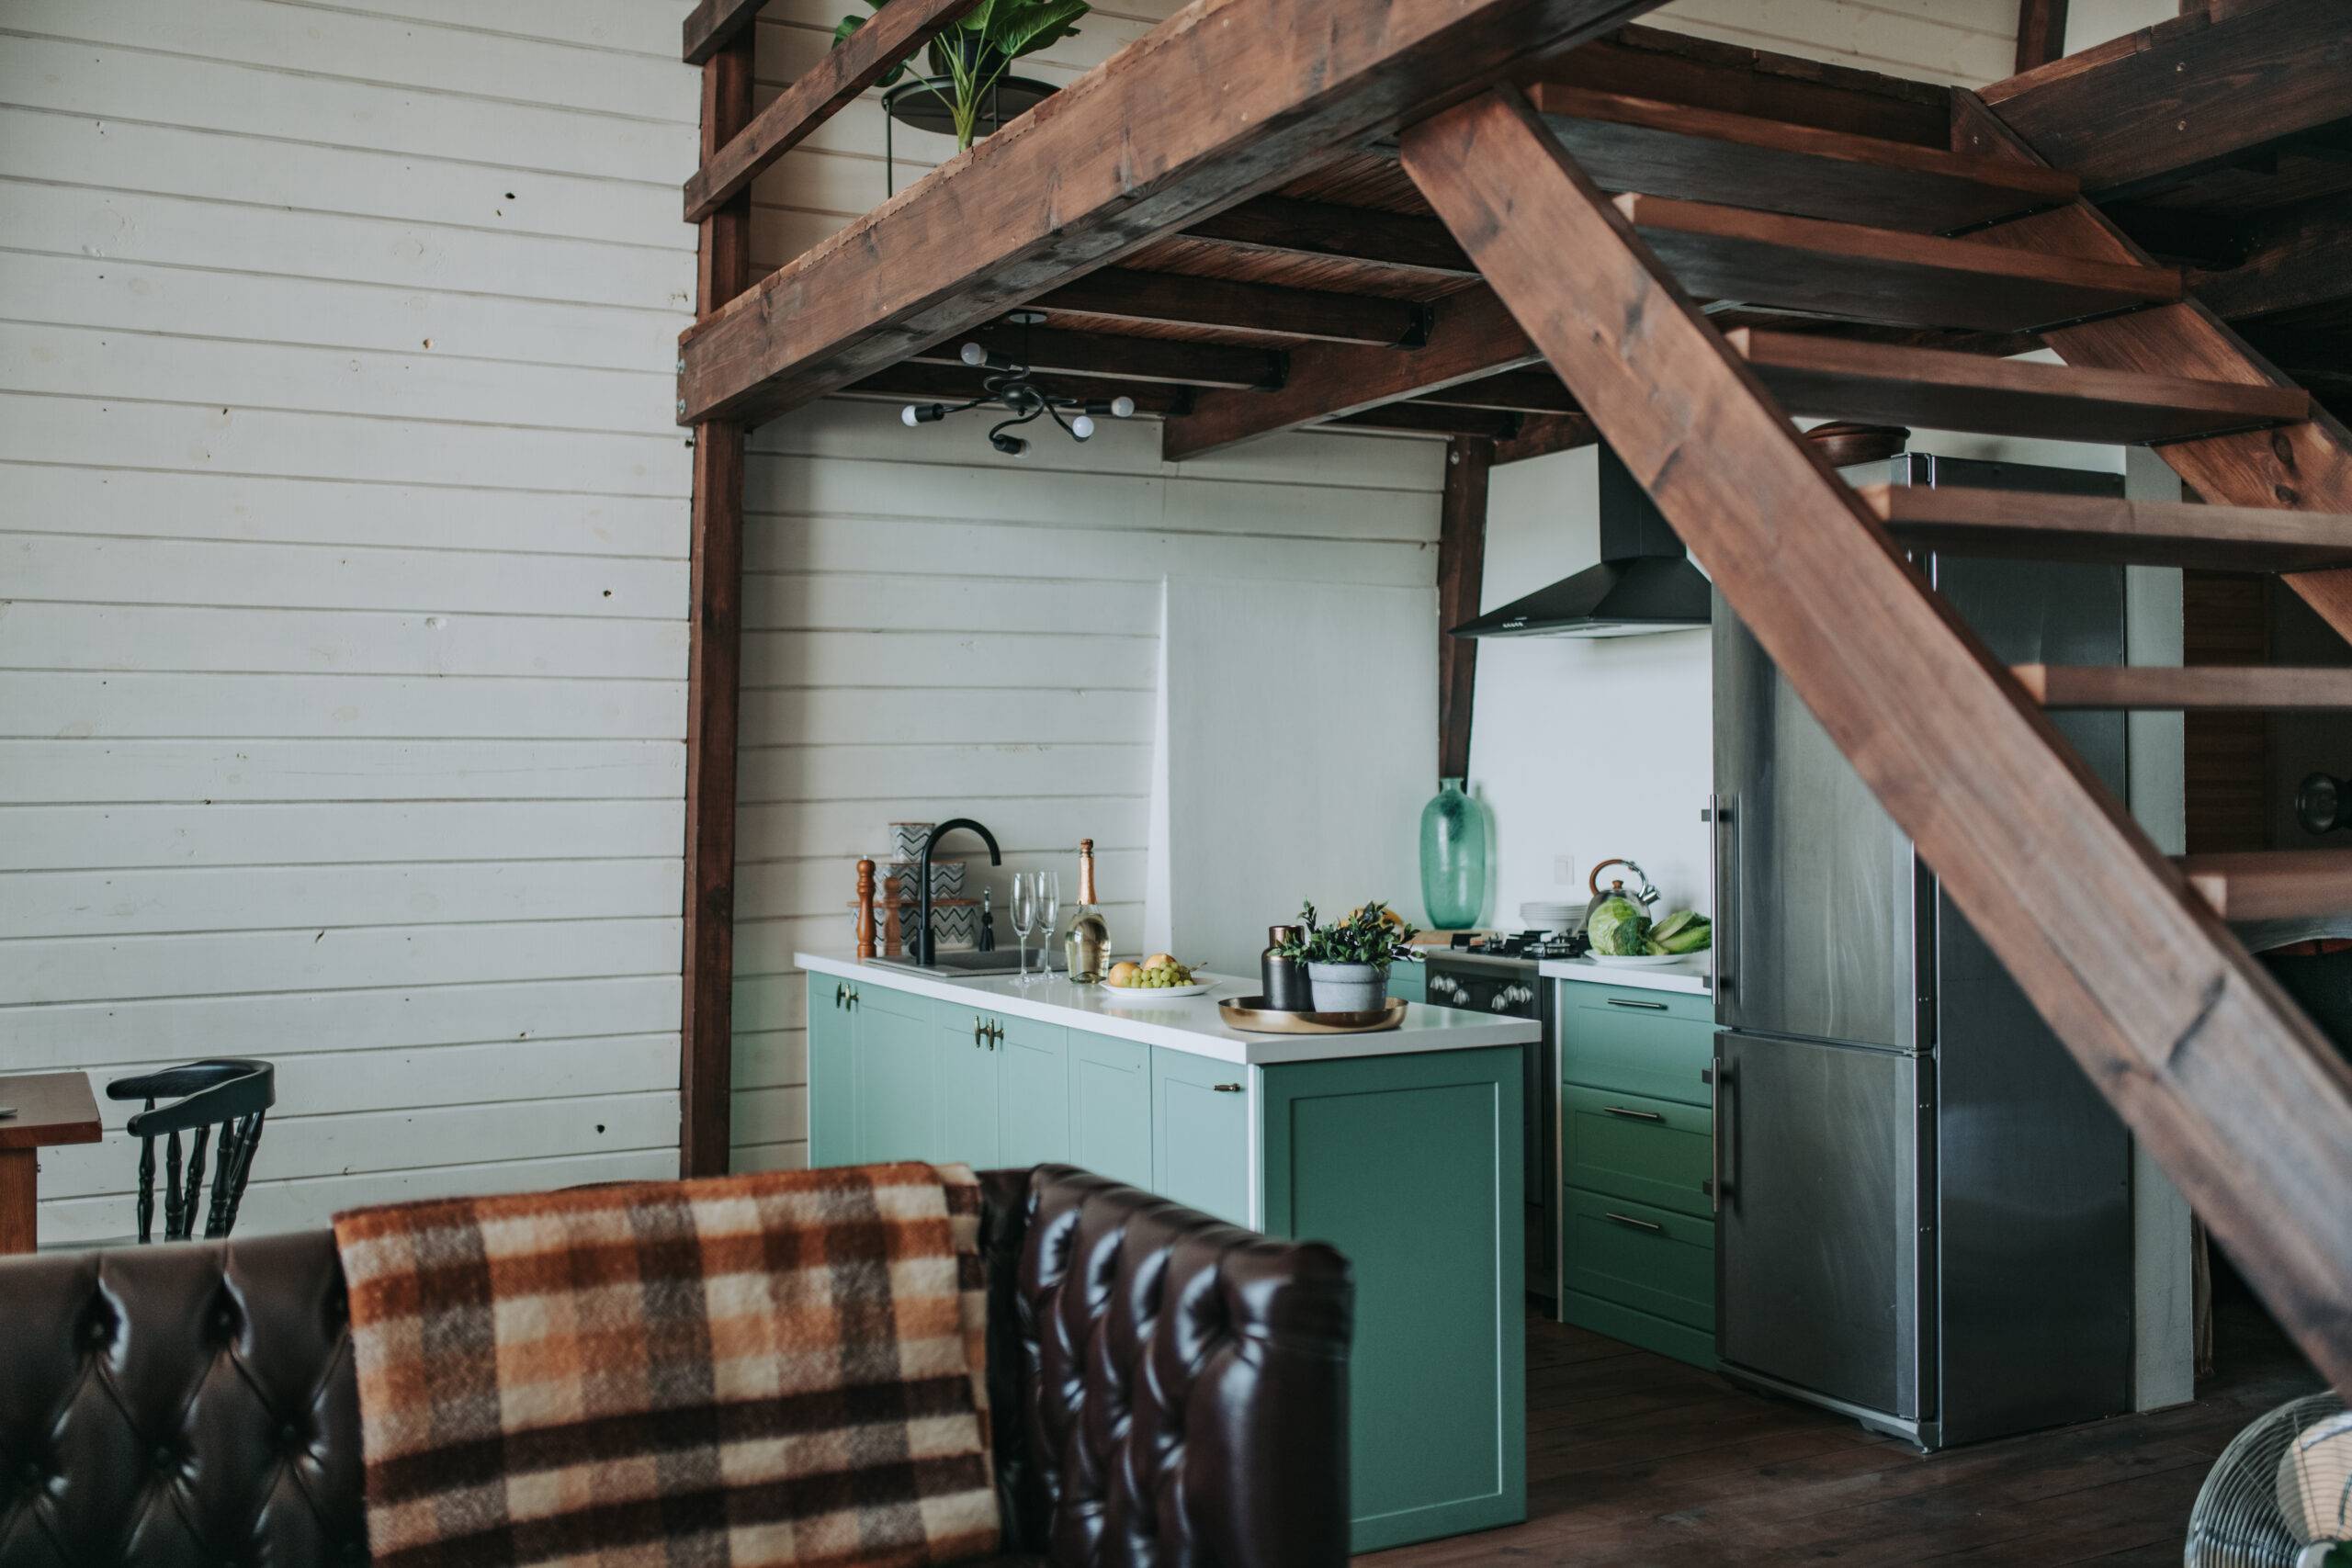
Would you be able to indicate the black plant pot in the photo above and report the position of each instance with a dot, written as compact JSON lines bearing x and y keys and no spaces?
{"x":922,"y":105}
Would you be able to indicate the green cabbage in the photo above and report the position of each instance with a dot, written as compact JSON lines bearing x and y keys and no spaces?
{"x":1618,"y":928}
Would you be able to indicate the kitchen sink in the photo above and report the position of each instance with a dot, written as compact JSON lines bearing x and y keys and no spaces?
{"x":957,"y":963}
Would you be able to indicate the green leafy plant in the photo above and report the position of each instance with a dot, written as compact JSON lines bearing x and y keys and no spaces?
{"x":1374,"y":933}
{"x":974,"y":53}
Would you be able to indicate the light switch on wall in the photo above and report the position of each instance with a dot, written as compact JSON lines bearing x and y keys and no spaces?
{"x":1564,"y":870}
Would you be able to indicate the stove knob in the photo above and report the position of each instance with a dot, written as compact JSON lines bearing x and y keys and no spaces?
{"x":1501,"y":1001}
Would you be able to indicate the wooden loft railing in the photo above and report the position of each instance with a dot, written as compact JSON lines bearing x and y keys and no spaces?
{"x":1399,"y":212}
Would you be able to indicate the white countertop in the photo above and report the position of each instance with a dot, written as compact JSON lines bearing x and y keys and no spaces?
{"x":1694,"y":976}
{"x":1184,"y":1023}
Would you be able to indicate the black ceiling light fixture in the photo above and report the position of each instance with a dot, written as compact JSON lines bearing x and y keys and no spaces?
{"x":1009,"y":386}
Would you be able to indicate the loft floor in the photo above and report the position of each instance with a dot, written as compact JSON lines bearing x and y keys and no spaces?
{"x":1635,"y":1459}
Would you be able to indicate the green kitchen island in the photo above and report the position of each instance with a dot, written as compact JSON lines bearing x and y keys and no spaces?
{"x":1402,"y":1149}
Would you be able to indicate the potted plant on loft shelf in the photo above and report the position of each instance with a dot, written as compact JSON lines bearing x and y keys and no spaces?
{"x":969,"y":80}
{"x":1346,"y":962}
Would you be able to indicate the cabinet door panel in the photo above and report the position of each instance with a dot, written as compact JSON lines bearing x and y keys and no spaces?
{"x":897,"y":1088}
{"x":1200,"y":1152}
{"x":1110,"y":1122}
{"x":1654,"y":1151}
{"x":1033,"y":1094}
{"x":833,"y":1068}
{"x":966,"y":1064}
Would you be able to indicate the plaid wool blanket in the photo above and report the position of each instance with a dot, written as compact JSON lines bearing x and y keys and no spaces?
{"x":729,"y":1373}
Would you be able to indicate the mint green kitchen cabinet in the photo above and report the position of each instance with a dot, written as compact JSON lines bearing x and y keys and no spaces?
{"x":1200,"y":1144}
{"x":1408,"y":982}
{"x":1110,"y":1107}
{"x":833,"y":1067}
{"x":1636,"y":1155}
{"x":1410,"y":1164}
{"x":898,"y":1082}
{"x":1032,"y":1084}
{"x":964,"y":1055}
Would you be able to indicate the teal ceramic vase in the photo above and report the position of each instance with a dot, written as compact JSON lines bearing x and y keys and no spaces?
{"x":1454,"y":858}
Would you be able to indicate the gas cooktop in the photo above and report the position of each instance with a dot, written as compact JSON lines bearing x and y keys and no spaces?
{"x":1527,"y":946}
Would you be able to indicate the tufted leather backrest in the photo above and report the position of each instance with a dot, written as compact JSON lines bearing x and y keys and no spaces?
{"x":1185,"y":1405}
{"x":1169,"y":1391}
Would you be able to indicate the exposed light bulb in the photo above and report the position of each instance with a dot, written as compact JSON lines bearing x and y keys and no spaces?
{"x":1122,"y":408}
{"x":1081,"y":427}
{"x":909,"y":417}
{"x":973,"y":354}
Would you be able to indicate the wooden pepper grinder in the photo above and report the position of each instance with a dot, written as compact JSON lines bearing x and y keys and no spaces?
{"x":865,"y":908}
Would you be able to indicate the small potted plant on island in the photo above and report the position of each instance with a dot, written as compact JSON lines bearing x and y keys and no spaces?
{"x":1346,"y":962}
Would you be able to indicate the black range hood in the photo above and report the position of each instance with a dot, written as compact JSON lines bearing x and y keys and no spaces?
{"x":1645,"y":583}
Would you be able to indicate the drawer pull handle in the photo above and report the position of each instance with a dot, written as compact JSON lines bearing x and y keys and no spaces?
{"x":1632,"y":1115}
{"x":1629,"y":1002}
{"x":980,"y":1031}
{"x":1226,"y":1088}
{"x":1632,"y":1223}
{"x":996,"y":1033}
{"x":852,"y":996}
{"x":840,"y":995}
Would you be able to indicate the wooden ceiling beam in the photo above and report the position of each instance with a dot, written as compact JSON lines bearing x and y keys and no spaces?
{"x":2185,"y":95}
{"x":1472,"y":338}
{"x":913,"y":382}
{"x":1513,"y":391}
{"x":1178,"y":300}
{"x":2294,"y":261}
{"x":1425,"y":418}
{"x":1123,"y":155}
{"x":1288,"y":226}
{"x":1541,"y":434}
{"x":1127,"y":358}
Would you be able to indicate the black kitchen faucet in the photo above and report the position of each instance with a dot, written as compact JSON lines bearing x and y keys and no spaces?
{"x":925,"y":945}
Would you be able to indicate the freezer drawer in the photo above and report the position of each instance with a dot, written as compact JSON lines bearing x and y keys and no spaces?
{"x":1819,"y":1251}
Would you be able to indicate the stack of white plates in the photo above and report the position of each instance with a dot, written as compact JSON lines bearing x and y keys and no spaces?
{"x":1544,"y":916}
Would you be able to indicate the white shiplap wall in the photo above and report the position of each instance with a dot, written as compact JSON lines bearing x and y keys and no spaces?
{"x":342,"y":579}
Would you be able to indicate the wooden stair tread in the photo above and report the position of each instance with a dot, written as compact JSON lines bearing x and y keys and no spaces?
{"x":2103,"y":529}
{"x":1842,"y":379}
{"x":1702,"y":155}
{"x":2184,"y":688}
{"x":1862,"y":274}
{"x":2272,"y":885}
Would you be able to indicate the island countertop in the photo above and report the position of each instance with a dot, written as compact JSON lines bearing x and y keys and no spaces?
{"x":1184,"y":1023}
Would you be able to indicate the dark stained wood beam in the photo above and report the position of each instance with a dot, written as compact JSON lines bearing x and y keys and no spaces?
{"x":1132,"y":358}
{"x":869,"y":54}
{"x":1177,"y":299}
{"x":2041,"y":32}
{"x":1515,"y":391}
{"x":714,"y":676}
{"x":2294,"y":261}
{"x":712,"y":25}
{"x":1543,"y":434}
{"x":1288,"y":226}
{"x":2225,"y":1083}
{"x":2185,"y":95}
{"x":1125,"y":154}
{"x":1461,"y":572}
{"x":1472,"y":338}
{"x":1650,"y":62}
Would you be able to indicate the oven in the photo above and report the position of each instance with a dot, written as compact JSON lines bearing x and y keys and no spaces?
{"x":1509,"y":985}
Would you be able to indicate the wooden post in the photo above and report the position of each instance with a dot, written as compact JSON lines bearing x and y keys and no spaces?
{"x":1461,"y":567}
{"x":2041,"y":32}
{"x":706,"y":1033}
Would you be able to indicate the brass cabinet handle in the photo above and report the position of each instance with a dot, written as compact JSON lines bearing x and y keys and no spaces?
{"x":980,"y":1028}
{"x":1629,"y":1002}
{"x":996,"y":1033}
{"x":1632,"y":1115}
{"x":1226,"y":1088}
{"x":840,"y":995}
{"x":1632,"y":1223}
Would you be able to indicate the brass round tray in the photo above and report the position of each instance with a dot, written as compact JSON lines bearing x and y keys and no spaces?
{"x":1245,"y":1014}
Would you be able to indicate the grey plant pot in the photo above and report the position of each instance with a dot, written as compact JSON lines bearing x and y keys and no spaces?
{"x":1347,"y":987}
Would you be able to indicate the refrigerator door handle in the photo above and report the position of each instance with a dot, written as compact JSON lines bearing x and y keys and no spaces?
{"x":1719,"y":1080}
{"x":1721,"y":809}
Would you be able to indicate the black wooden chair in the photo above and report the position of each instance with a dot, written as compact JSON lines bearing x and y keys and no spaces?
{"x":229,"y":1094}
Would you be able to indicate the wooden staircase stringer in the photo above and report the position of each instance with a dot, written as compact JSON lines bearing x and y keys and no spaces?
{"x":2304,"y":466}
{"x":2234,"y":1092}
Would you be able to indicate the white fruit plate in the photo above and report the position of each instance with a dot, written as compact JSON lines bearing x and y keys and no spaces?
{"x":1643,"y":961}
{"x":1154,"y":993}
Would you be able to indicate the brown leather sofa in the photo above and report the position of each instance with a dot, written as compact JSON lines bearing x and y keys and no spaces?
{"x":1168,"y":1390}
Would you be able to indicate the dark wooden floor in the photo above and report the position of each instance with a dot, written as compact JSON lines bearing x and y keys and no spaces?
{"x":1635,"y":1459}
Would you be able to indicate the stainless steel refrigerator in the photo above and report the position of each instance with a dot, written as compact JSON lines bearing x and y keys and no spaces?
{"x":1923,"y":1207}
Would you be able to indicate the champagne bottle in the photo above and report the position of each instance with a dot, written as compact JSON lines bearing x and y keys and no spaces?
{"x":1087,"y":949}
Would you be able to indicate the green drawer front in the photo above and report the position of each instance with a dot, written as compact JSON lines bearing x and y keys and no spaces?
{"x":1628,"y":1146}
{"x":1651,"y":1259}
{"x":873,"y":998}
{"x":1651,"y":1043}
{"x":1408,"y":982}
{"x":1696,"y":1346}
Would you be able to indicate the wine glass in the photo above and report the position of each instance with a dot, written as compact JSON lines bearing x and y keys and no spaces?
{"x":1025,"y":918}
{"x":1048,"y":885}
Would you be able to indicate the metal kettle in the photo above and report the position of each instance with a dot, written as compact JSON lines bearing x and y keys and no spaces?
{"x":1646,"y":896}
